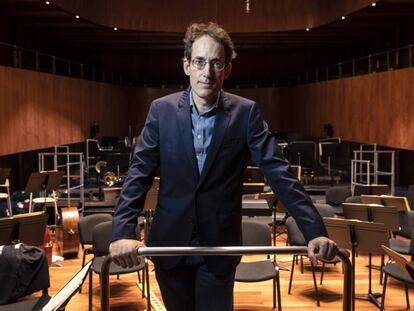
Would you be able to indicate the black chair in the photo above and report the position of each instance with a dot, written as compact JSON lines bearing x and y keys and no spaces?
{"x":258,"y":234}
{"x":400,"y":269}
{"x":296,"y":238}
{"x":101,"y":238}
{"x":335,"y":196}
{"x":85,"y":226}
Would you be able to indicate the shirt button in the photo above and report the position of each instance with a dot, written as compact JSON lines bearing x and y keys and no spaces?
{"x":199,"y":136}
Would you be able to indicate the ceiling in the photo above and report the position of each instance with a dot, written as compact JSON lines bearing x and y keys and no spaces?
{"x":154,"y":58}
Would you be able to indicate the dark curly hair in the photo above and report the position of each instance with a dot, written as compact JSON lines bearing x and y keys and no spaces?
{"x":196,"y":30}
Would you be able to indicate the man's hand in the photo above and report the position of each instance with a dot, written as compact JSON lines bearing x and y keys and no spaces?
{"x":321,"y":248}
{"x":124,"y":252}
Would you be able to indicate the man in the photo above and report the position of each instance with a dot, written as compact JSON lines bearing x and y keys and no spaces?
{"x":201,"y":140}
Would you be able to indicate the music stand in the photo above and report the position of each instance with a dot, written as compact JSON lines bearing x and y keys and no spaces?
{"x":4,"y":182}
{"x":369,"y":237}
{"x":401,"y":203}
{"x":340,"y":231}
{"x":44,"y":181}
{"x":357,"y":211}
{"x":371,"y":199}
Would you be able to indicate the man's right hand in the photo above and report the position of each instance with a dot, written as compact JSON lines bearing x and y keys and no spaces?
{"x":124,"y":252}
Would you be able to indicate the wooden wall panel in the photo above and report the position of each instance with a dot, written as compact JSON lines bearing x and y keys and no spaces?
{"x":376,"y":108}
{"x":40,"y":110}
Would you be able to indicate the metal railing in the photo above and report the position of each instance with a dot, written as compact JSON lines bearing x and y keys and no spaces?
{"x":229,"y":251}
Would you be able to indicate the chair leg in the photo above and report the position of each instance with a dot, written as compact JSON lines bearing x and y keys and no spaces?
{"x":274,"y":293}
{"x":291,"y":273}
{"x":90,"y":291}
{"x":407,"y":297}
{"x":301,"y":264}
{"x":322,"y":271}
{"x":279,"y":299}
{"x":381,"y":272}
{"x":148,"y":287}
{"x":83,"y":264}
{"x":384,"y":289}
{"x":315,"y":285}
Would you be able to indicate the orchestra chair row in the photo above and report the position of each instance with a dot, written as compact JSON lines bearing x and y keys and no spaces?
{"x":26,"y":228}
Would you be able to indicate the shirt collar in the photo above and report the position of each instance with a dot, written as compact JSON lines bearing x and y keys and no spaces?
{"x":208,"y":112}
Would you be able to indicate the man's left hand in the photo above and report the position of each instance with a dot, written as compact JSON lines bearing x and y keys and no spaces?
{"x":321,"y":248}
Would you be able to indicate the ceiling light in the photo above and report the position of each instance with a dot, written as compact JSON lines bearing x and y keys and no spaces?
{"x":374,"y":4}
{"x":77,"y":16}
{"x":307,"y":28}
{"x":343,"y":17}
{"x":47,"y":2}
{"x":115,"y":28}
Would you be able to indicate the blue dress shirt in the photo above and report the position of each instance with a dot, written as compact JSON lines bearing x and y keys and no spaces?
{"x":202,"y":129}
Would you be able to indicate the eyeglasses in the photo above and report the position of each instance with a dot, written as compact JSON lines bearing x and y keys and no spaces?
{"x":200,"y":64}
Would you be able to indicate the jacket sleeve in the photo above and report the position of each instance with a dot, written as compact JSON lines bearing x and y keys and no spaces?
{"x":144,"y":164}
{"x":266,"y":154}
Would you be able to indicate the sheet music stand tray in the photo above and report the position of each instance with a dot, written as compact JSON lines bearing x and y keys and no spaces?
{"x":369,"y":237}
{"x":44,"y":181}
{"x":4,"y":182}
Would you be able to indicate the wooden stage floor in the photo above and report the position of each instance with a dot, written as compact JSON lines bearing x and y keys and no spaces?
{"x":126,"y":295}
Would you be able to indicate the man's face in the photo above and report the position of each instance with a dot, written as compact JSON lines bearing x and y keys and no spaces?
{"x":207,"y":82}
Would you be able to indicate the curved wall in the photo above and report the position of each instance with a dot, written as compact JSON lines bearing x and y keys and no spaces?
{"x":175,"y":16}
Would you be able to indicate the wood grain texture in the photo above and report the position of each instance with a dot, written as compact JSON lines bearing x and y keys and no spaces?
{"x":40,"y":110}
{"x":164,"y":15}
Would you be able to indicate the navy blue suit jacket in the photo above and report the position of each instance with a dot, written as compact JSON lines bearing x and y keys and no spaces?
{"x":210,"y":201}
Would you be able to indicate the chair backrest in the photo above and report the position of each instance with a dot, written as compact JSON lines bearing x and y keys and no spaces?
{"x":7,"y":230}
{"x":372,"y":189}
{"x":256,"y":233}
{"x":101,"y":238}
{"x":295,"y":236}
{"x":357,"y":211}
{"x":353,"y":199}
{"x":87,"y":223}
{"x":401,"y":261}
{"x":337,"y":195}
{"x":406,"y":220}
{"x":339,"y":230}
{"x":369,"y":236}
{"x":388,"y":215}
{"x":325,"y":210}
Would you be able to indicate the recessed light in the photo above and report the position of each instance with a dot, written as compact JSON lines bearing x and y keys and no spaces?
{"x":77,"y":16}
{"x":343,"y":17}
{"x":47,"y":2}
{"x":115,"y":28}
{"x":307,"y":28}
{"x":374,"y":4}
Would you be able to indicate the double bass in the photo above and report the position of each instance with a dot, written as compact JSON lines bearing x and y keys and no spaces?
{"x":67,"y":234}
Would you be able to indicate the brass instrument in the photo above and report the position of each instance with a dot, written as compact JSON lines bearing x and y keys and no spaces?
{"x":110,"y":179}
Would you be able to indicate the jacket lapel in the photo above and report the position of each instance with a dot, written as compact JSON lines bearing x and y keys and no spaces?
{"x":184,"y":124}
{"x":220,"y":126}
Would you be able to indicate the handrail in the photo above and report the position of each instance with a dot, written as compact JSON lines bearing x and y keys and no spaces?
{"x":227,"y":251}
